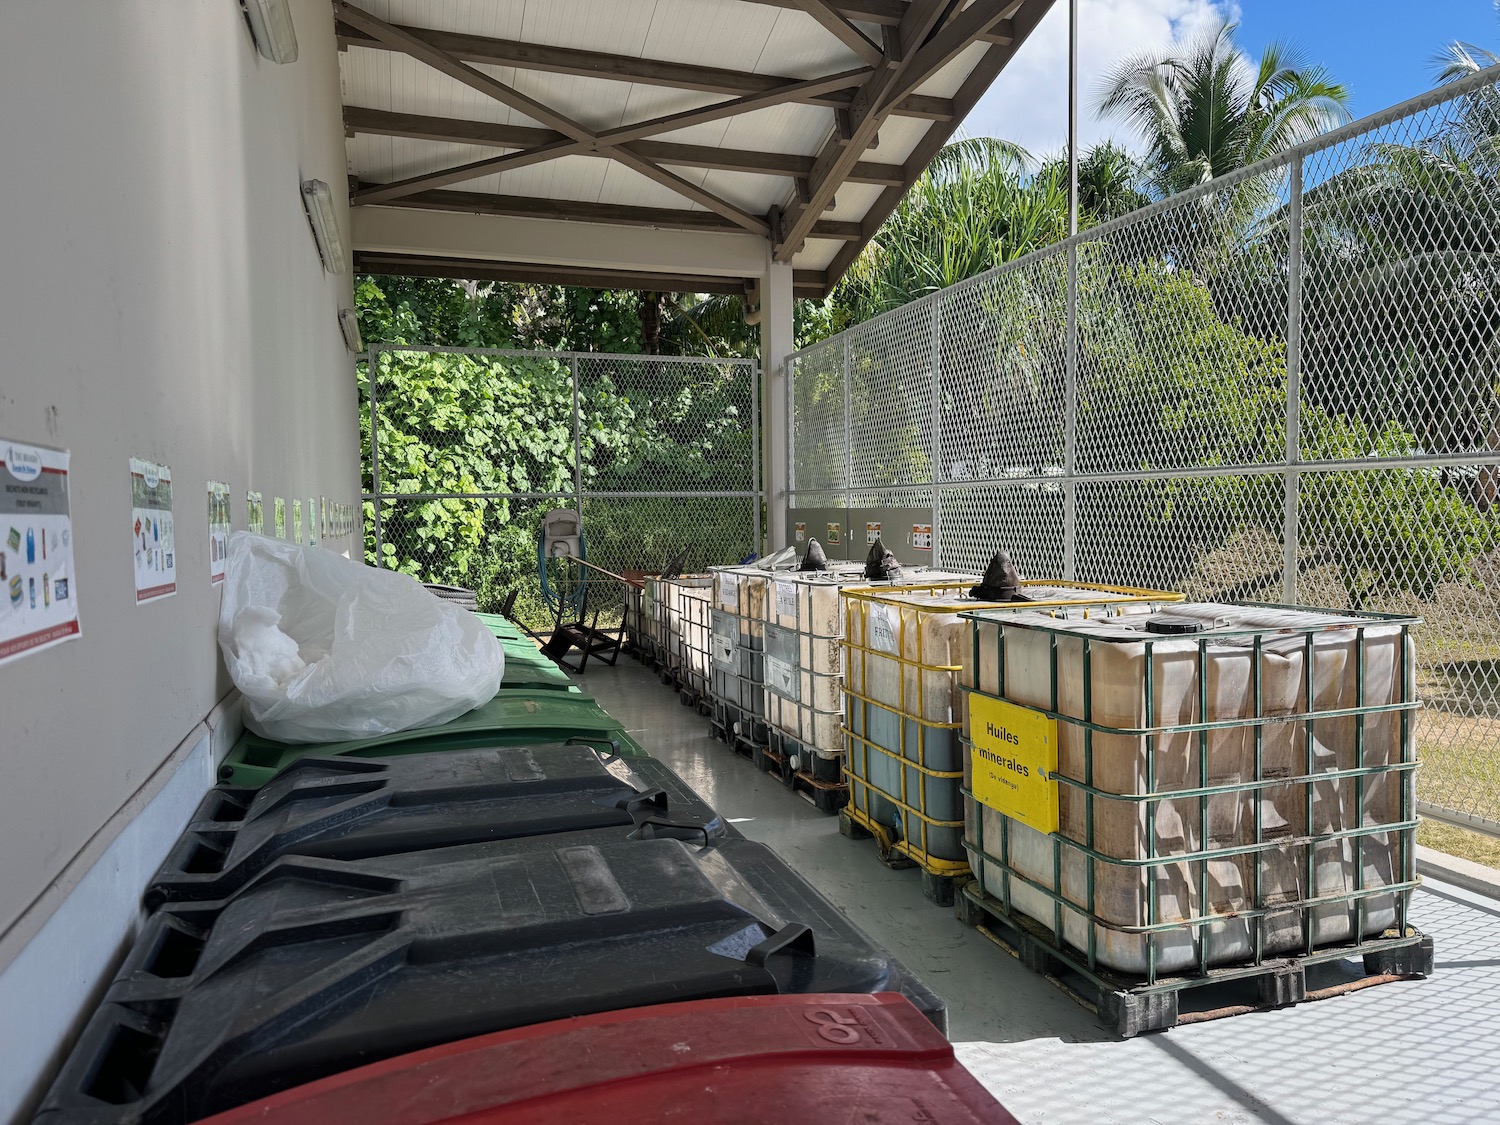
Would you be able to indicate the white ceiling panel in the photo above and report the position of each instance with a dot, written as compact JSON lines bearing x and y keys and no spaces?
{"x":801,"y":47}
{"x":756,"y":194}
{"x":898,"y":136}
{"x":853,"y":201}
{"x":628,"y":187}
{"x":710,"y":33}
{"x":495,"y":19}
{"x":945,"y":83}
{"x":617,"y":26}
{"x":816,"y":254}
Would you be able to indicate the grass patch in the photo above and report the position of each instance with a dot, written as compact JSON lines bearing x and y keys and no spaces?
{"x":1459,"y":842}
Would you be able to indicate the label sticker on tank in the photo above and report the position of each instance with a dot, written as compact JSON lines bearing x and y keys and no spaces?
{"x":1013,"y":760}
{"x":786,"y":599}
{"x":801,"y":532}
{"x":722,"y":650}
{"x":882,"y":629}
{"x":921,"y":536}
{"x":834,"y":531}
{"x":729,"y":591}
{"x":872,"y":532}
{"x":781,"y":678}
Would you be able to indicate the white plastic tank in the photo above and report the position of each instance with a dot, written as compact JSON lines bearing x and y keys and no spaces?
{"x":1307,"y":663}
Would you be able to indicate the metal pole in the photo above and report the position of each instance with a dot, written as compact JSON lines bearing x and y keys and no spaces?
{"x":577,"y":441}
{"x":370,"y":373}
{"x":1290,"y":531}
{"x":848,"y":440}
{"x":937,"y":419}
{"x":758,"y":504}
{"x":1070,"y":389}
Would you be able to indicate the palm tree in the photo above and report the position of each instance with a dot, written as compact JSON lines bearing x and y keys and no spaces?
{"x":1203,"y":112}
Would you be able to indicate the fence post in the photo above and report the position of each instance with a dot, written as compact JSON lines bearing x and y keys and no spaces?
{"x":759,"y":501}
{"x":1292,"y":473}
{"x":848,"y":440}
{"x":370,"y":373}
{"x":577,"y":440}
{"x":1070,"y":424}
{"x":937,"y":422}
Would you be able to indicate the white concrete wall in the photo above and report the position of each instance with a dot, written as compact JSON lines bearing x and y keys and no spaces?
{"x":160,"y":296}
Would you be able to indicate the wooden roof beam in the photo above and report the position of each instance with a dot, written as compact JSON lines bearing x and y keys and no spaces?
{"x":805,"y":283}
{"x":884,"y":13}
{"x":846,"y":33}
{"x":358,"y":119}
{"x":973,"y":88}
{"x":613,"y":214}
{"x":926,"y":48}
{"x":623,"y":68}
{"x":440,"y":60}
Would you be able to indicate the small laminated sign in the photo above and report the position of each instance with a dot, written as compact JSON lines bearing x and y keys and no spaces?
{"x":801,"y":530}
{"x":872,"y":532}
{"x":781,"y":678}
{"x":786,"y":599}
{"x":1013,"y":755}
{"x":834,"y":532}
{"x":921,"y":536}
{"x":729,"y":591}
{"x":882,"y":628}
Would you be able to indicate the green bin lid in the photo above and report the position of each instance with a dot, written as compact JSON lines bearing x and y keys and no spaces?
{"x":512,"y":718}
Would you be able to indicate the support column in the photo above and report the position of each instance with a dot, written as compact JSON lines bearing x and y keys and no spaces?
{"x":776,"y":343}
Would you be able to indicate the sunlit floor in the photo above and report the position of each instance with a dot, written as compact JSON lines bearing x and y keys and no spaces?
{"x":1421,"y":1051}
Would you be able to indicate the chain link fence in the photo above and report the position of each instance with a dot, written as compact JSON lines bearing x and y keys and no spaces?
{"x":467,"y":449}
{"x":1284,"y":385}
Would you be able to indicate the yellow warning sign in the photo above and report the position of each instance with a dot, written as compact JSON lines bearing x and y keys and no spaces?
{"x":1013,"y":751}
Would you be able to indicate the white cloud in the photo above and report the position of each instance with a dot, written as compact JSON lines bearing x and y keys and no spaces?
{"x":1028,"y":103}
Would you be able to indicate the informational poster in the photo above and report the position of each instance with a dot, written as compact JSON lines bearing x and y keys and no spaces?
{"x":921,"y":536}
{"x":834,"y":531}
{"x":323,"y":516}
{"x":280,"y":518}
{"x":801,"y":530}
{"x":218,"y":529}
{"x":872,"y":532}
{"x":297,"y":519}
{"x":38,"y":603}
{"x":255,"y":513}
{"x":1013,"y":754}
{"x":155,"y":532}
{"x":312,"y":520}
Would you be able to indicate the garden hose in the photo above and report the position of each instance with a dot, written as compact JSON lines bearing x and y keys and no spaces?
{"x":556,"y":601}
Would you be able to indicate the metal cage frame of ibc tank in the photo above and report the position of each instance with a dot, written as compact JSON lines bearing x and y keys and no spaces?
{"x":688,"y":634}
{"x":1135,"y":1003}
{"x":918,"y":852}
{"x":735,"y":721}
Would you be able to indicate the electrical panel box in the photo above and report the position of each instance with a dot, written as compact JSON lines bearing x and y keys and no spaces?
{"x":562,"y":534}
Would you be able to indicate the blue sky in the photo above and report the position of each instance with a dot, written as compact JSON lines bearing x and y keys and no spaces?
{"x":1381,"y":49}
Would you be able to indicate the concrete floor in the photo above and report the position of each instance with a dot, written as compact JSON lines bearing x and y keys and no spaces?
{"x":1421,"y":1051}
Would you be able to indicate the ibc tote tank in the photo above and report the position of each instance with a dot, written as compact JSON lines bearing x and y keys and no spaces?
{"x":1150,"y":686}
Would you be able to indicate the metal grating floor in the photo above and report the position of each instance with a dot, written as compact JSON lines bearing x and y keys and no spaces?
{"x":1423,"y":1052}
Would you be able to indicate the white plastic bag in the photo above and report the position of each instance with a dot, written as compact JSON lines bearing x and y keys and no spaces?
{"x":324,"y":649}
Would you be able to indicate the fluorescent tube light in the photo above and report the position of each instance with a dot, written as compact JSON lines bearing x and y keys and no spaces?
{"x":271,"y":28}
{"x":317,"y":199}
{"x":349,"y":326}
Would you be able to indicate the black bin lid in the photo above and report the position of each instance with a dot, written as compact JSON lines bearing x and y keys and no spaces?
{"x":353,"y":808}
{"x":321,"y":965}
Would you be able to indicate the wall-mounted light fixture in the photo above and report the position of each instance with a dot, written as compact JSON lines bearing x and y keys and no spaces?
{"x":349,"y":326}
{"x":317,"y":199}
{"x":271,"y":28}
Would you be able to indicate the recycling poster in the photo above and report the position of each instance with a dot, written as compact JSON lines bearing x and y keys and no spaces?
{"x":155,"y":542}
{"x":38,"y":602}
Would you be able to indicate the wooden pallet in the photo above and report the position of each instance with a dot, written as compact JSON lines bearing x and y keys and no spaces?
{"x":825,"y":796}
{"x":1129,"y":1006}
